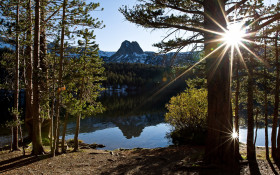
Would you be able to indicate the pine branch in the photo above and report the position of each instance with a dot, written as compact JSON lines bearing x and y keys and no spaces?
{"x":273,"y":19}
{"x":180,"y":9}
{"x":236,"y":6}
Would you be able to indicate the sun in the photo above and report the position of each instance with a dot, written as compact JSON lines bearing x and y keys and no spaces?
{"x":234,"y":135}
{"x":234,"y":34}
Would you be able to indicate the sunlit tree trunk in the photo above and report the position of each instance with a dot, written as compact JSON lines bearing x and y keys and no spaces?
{"x":76,"y":140}
{"x":219,"y":145}
{"x":57,"y":106}
{"x":37,"y":121}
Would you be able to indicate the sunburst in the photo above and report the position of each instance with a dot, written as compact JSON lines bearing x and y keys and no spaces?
{"x":235,"y":34}
{"x":232,"y":39}
{"x":234,"y":135}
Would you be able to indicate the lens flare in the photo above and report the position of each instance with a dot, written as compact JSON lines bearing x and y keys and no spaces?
{"x":234,"y":135}
{"x":234,"y":35}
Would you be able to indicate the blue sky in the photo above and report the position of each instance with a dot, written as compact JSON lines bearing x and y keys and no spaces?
{"x":118,"y":29}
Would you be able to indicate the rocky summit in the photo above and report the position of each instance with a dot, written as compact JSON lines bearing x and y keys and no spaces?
{"x":131,"y":52}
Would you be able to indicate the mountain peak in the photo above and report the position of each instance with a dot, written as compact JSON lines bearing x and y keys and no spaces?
{"x":129,"y":48}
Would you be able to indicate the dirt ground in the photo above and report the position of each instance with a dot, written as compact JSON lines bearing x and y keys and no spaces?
{"x":171,"y":160}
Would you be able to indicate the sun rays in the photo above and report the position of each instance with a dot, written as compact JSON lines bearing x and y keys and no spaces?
{"x":234,"y":135}
{"x":234,"y":35}
{"x":230,"y":42}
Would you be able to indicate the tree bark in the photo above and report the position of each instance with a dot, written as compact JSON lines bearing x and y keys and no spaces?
{"x":251,"y":152}
{"x":265,"y":107}
{"x":219,"y":144}
{"x":29,"y":72}
{"x":277,"y":58}
{"x":64,"y":133}
{"x":76,"y":140}
{"x":16,"y":84}
{"x":46,"y":126}
{"x":37,"y":121}
{"x":57,"y":106}
{"x":236,"y":120}
{"x":256,"y":127}
{"x":276,"y":106}
{"x":53,"y":104}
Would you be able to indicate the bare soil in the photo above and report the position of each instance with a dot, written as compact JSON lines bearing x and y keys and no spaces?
{"x":170,"y":160}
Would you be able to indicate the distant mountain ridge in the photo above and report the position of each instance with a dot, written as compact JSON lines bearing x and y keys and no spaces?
{"x":131,"y":52}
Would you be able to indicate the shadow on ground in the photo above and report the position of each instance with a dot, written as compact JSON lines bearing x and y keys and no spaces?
{"x":19,"y":161}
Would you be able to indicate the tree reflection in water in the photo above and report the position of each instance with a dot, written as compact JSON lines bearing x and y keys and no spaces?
{"x":131,"y":114}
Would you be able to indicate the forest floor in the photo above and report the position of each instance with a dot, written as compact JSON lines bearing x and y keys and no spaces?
{"x":171,"y":160}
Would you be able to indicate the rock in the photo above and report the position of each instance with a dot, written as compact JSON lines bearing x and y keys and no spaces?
{"x":94,"y":146}
{"x":83,"y":144}
{"x":100,"y":146}
{"x":84,"y":147}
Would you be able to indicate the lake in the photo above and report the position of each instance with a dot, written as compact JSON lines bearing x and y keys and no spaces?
{"x":260,"y":136}
{"x":131,"y":120}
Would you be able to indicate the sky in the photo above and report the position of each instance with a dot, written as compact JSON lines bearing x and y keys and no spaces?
{"x":119,"y":29}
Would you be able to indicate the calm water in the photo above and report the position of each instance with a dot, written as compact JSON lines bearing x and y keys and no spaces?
{"x":130,"y":121}
{"x":260,"y":136}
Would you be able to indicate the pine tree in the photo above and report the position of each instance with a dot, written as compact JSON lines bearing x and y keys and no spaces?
{"x":200,"y":16}
{"x":84,"y":86}
{"x":37,"y":146}
{"x":74,"y":13}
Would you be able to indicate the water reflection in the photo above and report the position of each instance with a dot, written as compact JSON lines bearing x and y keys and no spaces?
{"x":130,"y":126}
{"x":130,"y":121}
{"x":113,"y":138}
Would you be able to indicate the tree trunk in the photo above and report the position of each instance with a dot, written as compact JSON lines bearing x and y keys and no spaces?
{"x":76,"y":140}
{"x":276,"y":105}
{"x":57,"y":138}
{"x":277,"y":58}
{"x":256,"y":127}
{"x":57,"y":106}
{"x":16,"y":84}
{"x":236,"y":120}
{"x":64,"y":133}
{"x":265,"y":105}
{"x":53,"y":106}
{"x":219,"y":145}
{"x":29,"y":72}
{"x":251,"y":152}
{"x":44,"y":99}
{"x":37,"y":121}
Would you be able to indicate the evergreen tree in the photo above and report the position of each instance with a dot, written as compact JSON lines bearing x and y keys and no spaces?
{"x":201,"y":17}
{"x":84,"y":77}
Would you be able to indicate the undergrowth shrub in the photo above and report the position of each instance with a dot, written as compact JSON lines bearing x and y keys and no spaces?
{"x":187,"y":114}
